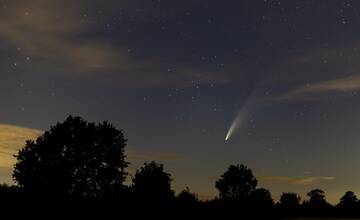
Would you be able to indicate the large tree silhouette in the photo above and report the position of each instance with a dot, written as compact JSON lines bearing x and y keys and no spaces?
{"x":237,"y":182}
{"x":74,"y":158}
{"x":151,"y":182}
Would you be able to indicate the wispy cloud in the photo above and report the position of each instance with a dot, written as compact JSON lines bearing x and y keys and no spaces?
{"x":319,"y":90}
{"x":12,"y":138}
{"x":310,"y":180}
{"x":49,"y":31}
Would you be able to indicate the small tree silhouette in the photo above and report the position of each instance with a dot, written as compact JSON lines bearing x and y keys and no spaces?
{"x":317,"y":196}
{"x":186,"y":197}
{"x":236,"y":183}
{"x":188,"y":202}
{"x":290,"y":200}
{"x":290,"y":204}
{"x":151,"y":182}
{"x":317,"y":205}
{"x":348,"y":205}
{"x":348,"y":200}
{"x":73,"y":159}
{"x":261,"y":198}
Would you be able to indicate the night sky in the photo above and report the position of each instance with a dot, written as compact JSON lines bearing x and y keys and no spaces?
{"x":175,"y":75}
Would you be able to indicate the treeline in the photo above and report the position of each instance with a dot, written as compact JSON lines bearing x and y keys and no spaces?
{"x":81,"y":166}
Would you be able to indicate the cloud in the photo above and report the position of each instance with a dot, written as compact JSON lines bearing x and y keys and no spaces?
{"x":48,"y":30}
{"x":319,"y":90}
{"x":63,"y":36}
{"x":304,"y":181}
{"x":12,"y":138}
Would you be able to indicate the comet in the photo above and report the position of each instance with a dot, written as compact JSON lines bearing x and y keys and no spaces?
{"x":241,"y":116}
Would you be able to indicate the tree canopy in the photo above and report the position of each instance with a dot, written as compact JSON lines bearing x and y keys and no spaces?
{"x":83,"y":161}
{"x":317,"y":196}
{"x":152,"y":182}
{"x":236,"y":183}
{"x":290,"y":200}
{"x":348,"y":200}
{"x":74,"y":158}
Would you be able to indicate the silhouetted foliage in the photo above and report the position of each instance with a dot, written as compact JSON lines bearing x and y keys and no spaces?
{"x":317,"y":204}
{"x":290,"y":200}
{"x":348,"y":200}
{"x":349,"y":205}
{"x":317,"y":196}
{"x":9,"y":193}
{"x":151,"y":182}
{"x":261,"y":198}
{"x":188,"y":202}
{"x":85,"y":162}
{"x":238,"y":192}
{"x":236,"y":183}
{"x":73,"y":159}
{"x":187,"y":197}
{"x":290,"y":204}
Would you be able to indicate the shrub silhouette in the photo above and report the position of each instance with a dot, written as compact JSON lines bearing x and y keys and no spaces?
{"x":186,"y":197}
{"x":73,"y":159}
{"x":237,"y":183}
{"x":151,"y":182}
{"x":188,"y":202}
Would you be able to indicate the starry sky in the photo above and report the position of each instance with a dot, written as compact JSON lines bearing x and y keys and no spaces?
{"x":176,"y":74}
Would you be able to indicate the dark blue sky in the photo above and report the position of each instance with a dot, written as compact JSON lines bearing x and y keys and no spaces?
{"x":174,"y":75}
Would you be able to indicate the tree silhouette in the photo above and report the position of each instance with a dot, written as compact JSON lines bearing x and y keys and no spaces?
{"x":187,"y":197}
{"x":73,"y":159}
{"x":151,"y":182}
{"x":290,"y":204}
{"x":261,"y":199}
{"x":317,"y":196}
{"x":317,"y":205}
{"x":237,"y":183}
{"x":85,"y":162}
{"x":348,"y":200}
{"x":348,"y":205}
{"x":188,"y":202}
{"x":290,"y":200}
